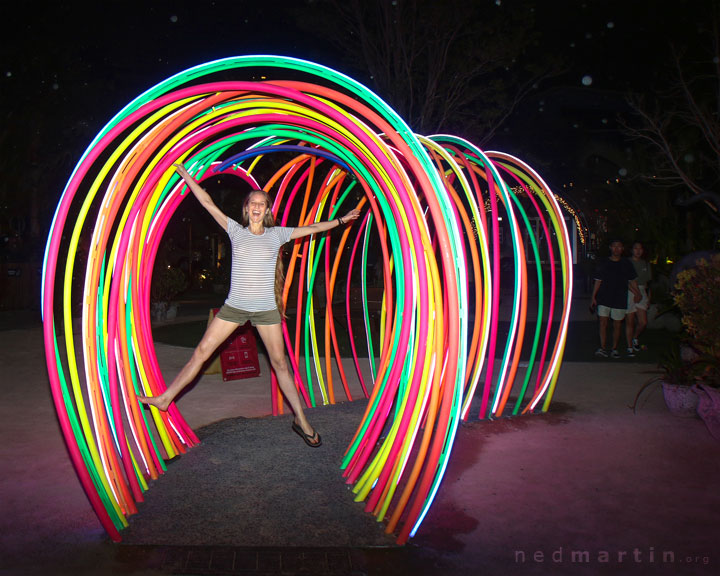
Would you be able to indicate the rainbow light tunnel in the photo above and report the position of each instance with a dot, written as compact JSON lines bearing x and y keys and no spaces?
{"x":432,"y":210}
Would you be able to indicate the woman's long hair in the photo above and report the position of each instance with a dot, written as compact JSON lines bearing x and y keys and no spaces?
{"x":268,"y":222}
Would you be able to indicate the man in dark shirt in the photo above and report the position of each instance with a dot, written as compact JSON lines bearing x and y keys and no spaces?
{"x":613,"y":279}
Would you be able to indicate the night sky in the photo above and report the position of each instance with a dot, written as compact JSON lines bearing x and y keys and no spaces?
{"x":67,"y":68}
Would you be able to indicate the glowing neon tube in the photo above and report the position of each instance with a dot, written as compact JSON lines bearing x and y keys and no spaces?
{"x":433,"y":206}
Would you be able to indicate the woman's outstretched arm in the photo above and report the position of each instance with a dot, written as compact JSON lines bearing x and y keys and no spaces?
{"x":319,"y":227}
{"x":202,"y":196}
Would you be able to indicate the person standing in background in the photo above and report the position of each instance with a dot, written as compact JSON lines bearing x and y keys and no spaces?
{"x":614,"y":277}
{"x":636,"y":319}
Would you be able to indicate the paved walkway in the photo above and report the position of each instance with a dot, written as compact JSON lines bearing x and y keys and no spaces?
{"x":588,"y":488}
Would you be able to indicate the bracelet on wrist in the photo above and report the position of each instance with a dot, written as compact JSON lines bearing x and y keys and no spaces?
{"x":340,"y":220}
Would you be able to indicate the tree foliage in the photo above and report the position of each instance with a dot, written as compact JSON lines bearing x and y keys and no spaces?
{"x":678,"y":127}
{"x":443,"y":66}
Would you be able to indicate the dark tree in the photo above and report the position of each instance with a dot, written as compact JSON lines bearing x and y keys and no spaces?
{"x":453,"y":66}
{"x":678,"y":131}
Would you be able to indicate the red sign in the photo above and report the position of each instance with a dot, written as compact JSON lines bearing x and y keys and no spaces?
{"x":239,"y":355}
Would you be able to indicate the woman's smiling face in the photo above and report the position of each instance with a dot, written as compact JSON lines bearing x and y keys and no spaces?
{"x":256,"y":208}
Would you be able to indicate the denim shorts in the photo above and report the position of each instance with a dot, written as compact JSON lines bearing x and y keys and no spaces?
{"x":264,"y":318}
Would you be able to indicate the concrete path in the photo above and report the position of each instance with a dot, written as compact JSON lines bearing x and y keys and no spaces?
{"x":588,"y":488}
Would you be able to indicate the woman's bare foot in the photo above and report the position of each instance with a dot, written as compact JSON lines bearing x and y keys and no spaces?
{"x":160,"y":402}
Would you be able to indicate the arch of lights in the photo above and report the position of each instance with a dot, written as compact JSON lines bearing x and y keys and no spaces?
{"x":432,"y":211}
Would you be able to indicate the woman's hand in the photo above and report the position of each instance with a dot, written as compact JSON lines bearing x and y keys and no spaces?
{"x":354,"y":214}
{"x":181,"y":170}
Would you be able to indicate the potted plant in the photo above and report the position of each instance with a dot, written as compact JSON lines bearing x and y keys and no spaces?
{"x":690,"y":370}
{"x":697,"y":296}
{"x":677,"y":376}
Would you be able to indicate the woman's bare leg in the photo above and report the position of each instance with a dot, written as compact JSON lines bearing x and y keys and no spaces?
{"x":216,"y":334}
{"x":272,"y":338}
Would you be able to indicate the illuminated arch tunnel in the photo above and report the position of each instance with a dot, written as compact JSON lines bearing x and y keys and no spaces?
{"x":431,"y":208}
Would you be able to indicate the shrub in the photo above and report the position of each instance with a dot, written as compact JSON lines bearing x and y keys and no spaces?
{"x":697,"y":296}
{"x":167,"y":283}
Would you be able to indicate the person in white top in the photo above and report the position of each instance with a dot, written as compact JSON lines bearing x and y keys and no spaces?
{"x":254,"y":295}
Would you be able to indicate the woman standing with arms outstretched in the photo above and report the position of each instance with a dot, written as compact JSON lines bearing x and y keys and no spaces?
{"x":253,"y":294}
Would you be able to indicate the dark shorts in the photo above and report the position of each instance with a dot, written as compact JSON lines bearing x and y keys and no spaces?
{"x":264,"y":318}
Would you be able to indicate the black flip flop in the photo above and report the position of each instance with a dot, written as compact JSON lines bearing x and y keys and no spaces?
{"x":307,"y":437}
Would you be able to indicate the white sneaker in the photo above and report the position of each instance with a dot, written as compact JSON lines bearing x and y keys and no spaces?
{"x":601,"y":352}
{"x":614,"y":354}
